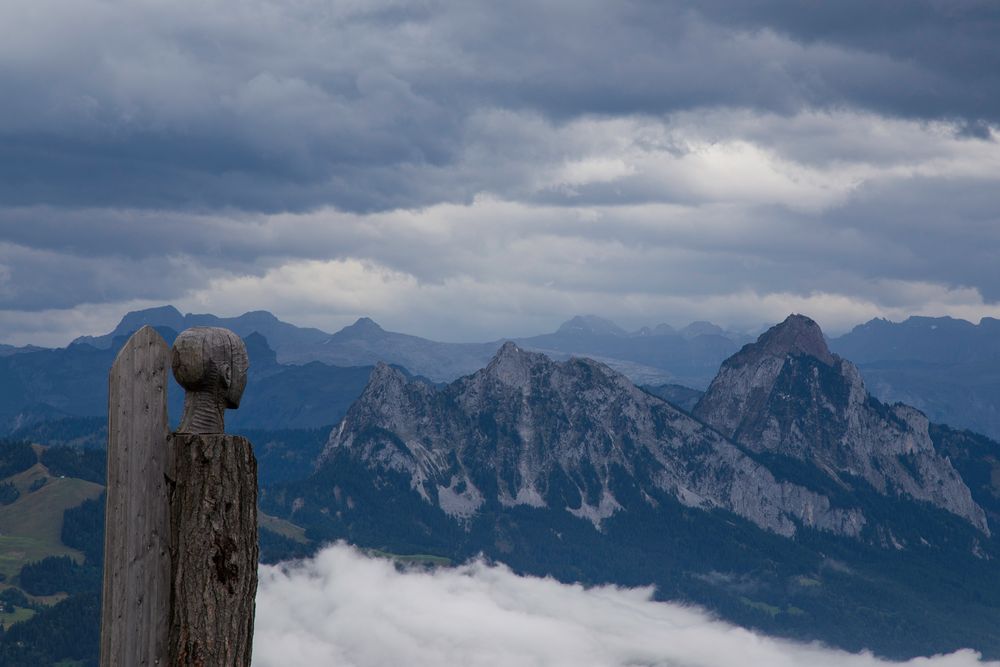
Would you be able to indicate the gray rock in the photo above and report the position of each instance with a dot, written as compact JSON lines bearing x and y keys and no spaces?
{"x":525,"y":425}
{"x":788,"y":394}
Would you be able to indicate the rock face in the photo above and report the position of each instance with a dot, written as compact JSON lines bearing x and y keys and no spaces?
{"x":809,"y":515}
{"x":787,"y":394}
{"x":570,"y":436}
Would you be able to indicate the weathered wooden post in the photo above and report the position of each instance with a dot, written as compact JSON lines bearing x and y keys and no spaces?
{"x":180,"y":573}
{"x":136,"y":596}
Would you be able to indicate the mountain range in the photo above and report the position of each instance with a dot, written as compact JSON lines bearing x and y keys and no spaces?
{"x":791,"y":500}
{"x":782,"y":497}
{"x":947,"y":368}
{"x":46,"y":385}
{"x":326,"y":371}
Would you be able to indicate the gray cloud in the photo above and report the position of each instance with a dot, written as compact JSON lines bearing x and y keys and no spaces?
{"x":649,"y":161}
{"x":268,"y":107}
{"x":345,"y":609}
{"x":956,"y":78}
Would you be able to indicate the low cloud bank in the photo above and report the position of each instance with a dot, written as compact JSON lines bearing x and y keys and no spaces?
{"x":344,"y":608}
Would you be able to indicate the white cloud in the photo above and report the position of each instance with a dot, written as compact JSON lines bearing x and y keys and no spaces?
{"x":345,"y":609}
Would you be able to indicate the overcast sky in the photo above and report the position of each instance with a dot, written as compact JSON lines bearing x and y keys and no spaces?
{"x":344,"y":609}
{"x":470,"y":170}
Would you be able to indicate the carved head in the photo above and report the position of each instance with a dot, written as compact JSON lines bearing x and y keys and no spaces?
{"x":211,"y":360}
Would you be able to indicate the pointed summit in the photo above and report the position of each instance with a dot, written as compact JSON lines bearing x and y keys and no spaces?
{"x":744,"y":384}
{"x":364,"y":327}
{"x":798,"y":334}
{"x":789,"y":395}
{"x":384,"y":373}
{"x":512,"y":366}
{"x":260,"y":352}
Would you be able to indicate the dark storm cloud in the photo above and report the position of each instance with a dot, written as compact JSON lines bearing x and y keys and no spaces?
{"x":32,"y":279}
{"x":269,"y":107}
{"x":528,"y":160}
{"x":938,"y":230}
{"x":951,"y":43}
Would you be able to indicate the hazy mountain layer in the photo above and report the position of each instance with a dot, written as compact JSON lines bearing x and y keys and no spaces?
{"x":948,"y":368}
{"x":46,"y":385}
{"x":282,"y":336}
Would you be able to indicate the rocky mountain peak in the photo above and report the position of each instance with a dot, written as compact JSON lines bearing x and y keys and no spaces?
{"x":362,"y":327}
{"x":513,"y":366}
{"x":383,"y":374}
{"x":741,"y":389}
{"x":798,"y":334}
{"x":789,"y":395}
{"x":162,"y":316}
{"x":259,"y":351}
{"x":571,"y":436}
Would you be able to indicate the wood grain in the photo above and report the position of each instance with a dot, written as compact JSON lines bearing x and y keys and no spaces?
{"x":213,"y":517}
{"x":136,"y":596}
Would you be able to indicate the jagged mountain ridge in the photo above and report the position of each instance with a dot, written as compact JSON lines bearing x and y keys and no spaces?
{"x":947,"y":368}
{"x":502,"y":435}
{"x":788,"y":394}
{"x":567,"y":469}
{"x":530,"y":431}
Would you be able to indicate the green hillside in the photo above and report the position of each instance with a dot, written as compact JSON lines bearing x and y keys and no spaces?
{"x":30,"y":527}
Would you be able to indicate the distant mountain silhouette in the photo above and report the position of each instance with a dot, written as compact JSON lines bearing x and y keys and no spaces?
{"x":946,"y":367}
{"x":281,"y":336}
{"x":45,"y":385}
{"x":650,"y":355}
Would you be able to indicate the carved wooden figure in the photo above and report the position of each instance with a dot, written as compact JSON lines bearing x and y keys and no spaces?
{"x":211,"y":364}
{"x":203,"y":494}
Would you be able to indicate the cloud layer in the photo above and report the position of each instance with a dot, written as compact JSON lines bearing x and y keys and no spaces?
{"x":343,"y":608}
{"x":650,"y":161}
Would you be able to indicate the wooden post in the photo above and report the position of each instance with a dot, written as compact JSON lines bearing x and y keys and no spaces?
{"x":180,"y":564}
{"x":135,"y":608}
{"x":213,"y":521}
